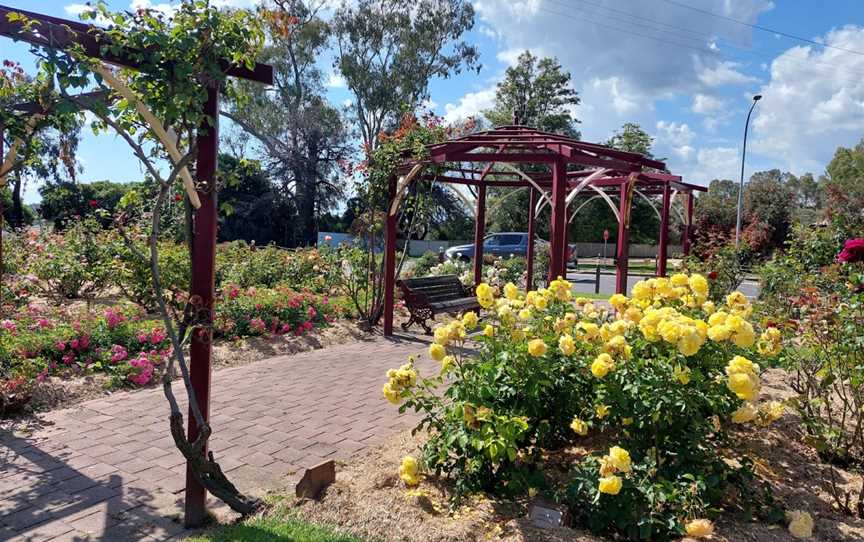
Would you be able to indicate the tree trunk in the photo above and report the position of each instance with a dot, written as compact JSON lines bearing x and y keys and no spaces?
{"x":17,"y":208}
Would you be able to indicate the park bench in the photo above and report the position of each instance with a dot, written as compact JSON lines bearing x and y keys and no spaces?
{"x":427,"y":296}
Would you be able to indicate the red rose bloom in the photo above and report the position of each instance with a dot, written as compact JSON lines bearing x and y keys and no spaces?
{"x":712,"y":275}
{"x":94,"y":203}
{"x":853,"y":251}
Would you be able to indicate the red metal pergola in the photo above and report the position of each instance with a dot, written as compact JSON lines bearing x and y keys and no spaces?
{"x":575,"y":169}
{"x":62,"y":34}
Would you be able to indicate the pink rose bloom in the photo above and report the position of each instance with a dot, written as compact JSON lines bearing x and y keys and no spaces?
{"x":69,"y":358}
{"x":74,"y":344}
{"x":113,"y":318}
{"x":257,"y":325}
{"x":325,"y":300}
{"x":118,"y":353}
{"x":311,"y":313}
{"x":143,"y":337}
{"x":307,"y":325}
{"x":853,"y":251}
{"x":42,"y":375}
{"x":233,"y":292}
{"x":84,"y":342}
{"x":157,"y":336}
{"x":60,"y":345}
{"x":286,"y":328}
{"x":328,"y":238}
{"x":43,"y":323}
{"x":9,"y":326}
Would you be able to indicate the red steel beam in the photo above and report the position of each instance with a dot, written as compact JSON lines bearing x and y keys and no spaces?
{"x":390,"y":259}
{"x":559,"y":220}
{"x":479,"y":233}
{"x":662,"y":248}
{"x":529,"y":257}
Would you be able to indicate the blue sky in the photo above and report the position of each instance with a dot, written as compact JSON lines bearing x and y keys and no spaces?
{"x":686,"y":76}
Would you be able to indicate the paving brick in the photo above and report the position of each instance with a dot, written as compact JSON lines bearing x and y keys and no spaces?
{"x":109,"y":470}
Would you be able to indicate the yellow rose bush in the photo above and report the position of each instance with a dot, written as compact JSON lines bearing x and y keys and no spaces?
{"x":662,"y":375}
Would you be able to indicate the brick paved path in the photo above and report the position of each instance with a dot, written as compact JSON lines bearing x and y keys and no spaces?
{"x":108,"y":470}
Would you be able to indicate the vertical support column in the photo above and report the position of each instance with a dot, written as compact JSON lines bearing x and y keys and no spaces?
{"x":623,"y":239}
{"x":390,"y":258}
{"x":688,"y":224}
{"x":663,"y":249}
{"x":2,"y":158}
{"x":532,"y":221}
{"x":202,"y":287}
{"x":559,"y":220}
{"x":479,"y":233}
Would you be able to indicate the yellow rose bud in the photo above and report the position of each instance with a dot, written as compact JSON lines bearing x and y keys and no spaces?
{"x":602,"y":411}
{"x":488,"y":331}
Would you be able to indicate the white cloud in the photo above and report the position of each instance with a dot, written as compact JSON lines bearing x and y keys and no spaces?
{"x":470,"y":105}
{"x":722,"y":73}
{"x":622,"y":99}
{"x":809,"y":109}
{"x":705,"y":104}
{"x":335,"y":80}
{"x":164,"y":7}
{"x":714,"y":163}
{"x":677,"y":136}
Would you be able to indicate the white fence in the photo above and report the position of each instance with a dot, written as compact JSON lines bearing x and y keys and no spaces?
{"x":583,"y":250}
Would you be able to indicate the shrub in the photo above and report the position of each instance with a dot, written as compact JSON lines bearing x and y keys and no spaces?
{"x":71,"y":265}
{"x":661,"y":375}
{"x":244,"y":265}
{"x":131,"y":273}
{"x":424,"y":263}
{"x":271,"y":311}
{"x":39,"y":342}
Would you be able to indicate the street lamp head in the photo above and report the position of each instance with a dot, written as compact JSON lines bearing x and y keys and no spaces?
{"x":757,"y":97}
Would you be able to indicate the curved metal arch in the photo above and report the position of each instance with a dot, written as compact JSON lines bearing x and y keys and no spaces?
{"x":651,"y":203}
{"x":530,"y":181}
{"x":581,"y":205}
{"x":611,"y":203}
{"x":504,"y":197}
{"x":677,"y":210}
{"x":573,"y":193}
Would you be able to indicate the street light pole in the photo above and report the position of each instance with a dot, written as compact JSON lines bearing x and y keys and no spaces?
{"x":756,"y":98}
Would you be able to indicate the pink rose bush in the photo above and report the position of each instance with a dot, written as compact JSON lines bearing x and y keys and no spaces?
{"x":37,"y":343}
{"x":271,"y":312}
{"x":853,"y":251}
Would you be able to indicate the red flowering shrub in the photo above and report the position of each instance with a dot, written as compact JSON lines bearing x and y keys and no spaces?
{"x":853,"y":251}
{"x":271,"y":311}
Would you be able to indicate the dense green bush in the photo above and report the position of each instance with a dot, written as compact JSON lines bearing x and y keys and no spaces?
{"x":661,"y":376}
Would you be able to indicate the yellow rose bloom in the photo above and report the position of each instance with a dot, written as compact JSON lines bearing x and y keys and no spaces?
{"x":744,"y":385}
{"x":620,"y":458}
{"x":511,"y":291}
{"x":517,"y":335}
{"x":409,"y":471}
{"x":602,"y":365}
{"x":699,"y":528}
{"x":442,"y":335}
{"x":633,"y":314}
{"x":579,"y":427}
{"x":746,"y":413}
{"x":698,"y":284}
{"x":771,"y":411}
{"x":566,"y":345}
{"x":611,"y":485}
{"x":690,"y":342}
{"x":718,"y":318}
{"x":470,"y":320}
{"x":643,"y":291}
{"x":682,"y":374}
{"x":587,"y":331}
{"x":679,"y":279}
{"x":525,"y":314}
{"x":618,"y":301}
{"x":602,"y":411}
{"x":390,"y":394}
{"x":485,"y":295}
{"x":540,"y":303}
{"x":709,"y":307}
{"x":437,"y":352}
{"x":719,"y":333}
{"x":447,"y":364}
{"x":800,"y":524}
{"x":537,"y":347}
{"x":489,"y":331}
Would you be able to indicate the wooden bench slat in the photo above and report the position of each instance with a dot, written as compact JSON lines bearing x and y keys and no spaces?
{"x":427,"y":296}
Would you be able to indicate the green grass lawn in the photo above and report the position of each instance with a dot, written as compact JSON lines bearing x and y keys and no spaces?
{"x":273,"y":529}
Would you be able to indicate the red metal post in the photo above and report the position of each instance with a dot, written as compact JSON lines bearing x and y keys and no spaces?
{"x":390,"y":259}
{"x":663,"y":249}
{"x":623,"y":240}
{"x":479,"y":233}
{"x":529,"y":257}
{"x":559,"y":220}
{"x":688,"y":224}
{"x":2,"y":158}
{"x":203,"y":285}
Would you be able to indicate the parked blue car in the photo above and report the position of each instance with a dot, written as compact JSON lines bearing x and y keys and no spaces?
{"x":503,"y":245}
